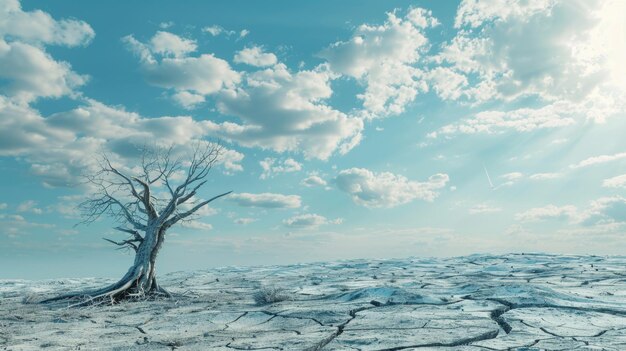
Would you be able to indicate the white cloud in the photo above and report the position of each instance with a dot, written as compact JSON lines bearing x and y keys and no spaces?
{"x":272,"y":166}
{"x":548,"y":212}
{"x":550,"y":34}
{"x":166,"y":25}
{"x":231,"y":160}
{"x":188,"y":100}
{"x":475,"y":13}
{"x":563,"y":53}
{"x":286,"y":111}
{"x":422,"y":18}
{"x":309,"y":221}
{"x":29,"y":206}
{"x":313,"y":180}
{"x":61,"y":146}
{"x":216,"y":30}
{"x":600,"y":212}
{"x":513,"y":176}
{"x":168,"y":44}
{"x":615,"y":182}
{"x":545,"y":176}
{"x":197,"y":225}
{"x":165,"y":63}
{"x":67,"y":206}
{"x":447,"y":83}
{"x":605,"y":210}
{"x":383,"y":58}
{"x":27,"y":71}
{"x":244,"y":221}
{"x":520,"y":120}
{"x":39,"y":27}
{"x":255,"y":56}
{"x":266,"y":200}
{"x":595,"y":160}
{"x":3,"y":206}
{"x":243,"y":33}
{"x":278,"y":109}
{"x":15,"y":225}
{"x":386,"y":189}
{"x":484,"y":208}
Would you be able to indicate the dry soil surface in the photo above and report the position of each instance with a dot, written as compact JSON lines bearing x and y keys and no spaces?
{"x":479,"y":302}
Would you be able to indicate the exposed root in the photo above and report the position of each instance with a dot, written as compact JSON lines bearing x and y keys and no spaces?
{"x":130,"y":287}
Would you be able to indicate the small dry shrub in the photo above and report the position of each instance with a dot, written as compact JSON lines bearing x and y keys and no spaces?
{"x":270,"y":294}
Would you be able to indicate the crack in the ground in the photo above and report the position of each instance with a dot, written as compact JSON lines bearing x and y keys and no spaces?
{"x":340,"y":328}
{"x":227,"y":325}
{"x":353,"y":313}
{"x":251,"y":348}
{"x":496,"y":316}
{"x":492,"y":334}
{"x":274,"y":315}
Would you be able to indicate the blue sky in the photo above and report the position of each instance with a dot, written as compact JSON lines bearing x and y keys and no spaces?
{"x":352,"y":129}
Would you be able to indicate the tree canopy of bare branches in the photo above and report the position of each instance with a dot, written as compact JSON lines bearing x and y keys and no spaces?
{"x":146,"y":201}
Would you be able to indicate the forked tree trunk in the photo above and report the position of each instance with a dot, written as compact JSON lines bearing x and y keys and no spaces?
{"x":142,"y":214}
{"x":139,"y":281}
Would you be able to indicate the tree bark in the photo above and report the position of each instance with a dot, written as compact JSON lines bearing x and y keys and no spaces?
{"x":138,"y":282}
{"x":143,"y":214}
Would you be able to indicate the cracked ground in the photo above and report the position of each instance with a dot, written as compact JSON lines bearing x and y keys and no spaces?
{"x":478,"y":302}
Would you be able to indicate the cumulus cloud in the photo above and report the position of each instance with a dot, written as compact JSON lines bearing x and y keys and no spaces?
{"x":272,"y":166}
{"x":197,"y":225}
{"x":313,"y":180}
{"x":39,"y":27}
{"x":244,"y":220}
{"x":15,"y":225}
{"x":548,"y":212}
{"x":216,"y":30}
{"x":165,"y":62}
{"x":3,"y":206}
{"x":503,"y":37}
{"x":61,"y":146}
{"x":26,"y":69}
{"x":310,"y":220}
{"x":605,"y":210}
{"x":615,"y":182}
{"x":286,"y":111}
{"x":519,"y":120}
{"x":595,"y":160}
{"x":29,"y":206}
{"x":187,"y":99}
{"x":168,"y":44}
{"x":386,"y":189}
{"x":254,"y":56}
{"x":559,"y":52}
{"x":266,"y":200}
{"x":602,"y":211}
{"x":277,"y":109}
{"x":384,"y":59}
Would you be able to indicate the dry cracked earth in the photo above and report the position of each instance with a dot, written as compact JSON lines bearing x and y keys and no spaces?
{"x":478,"y":302}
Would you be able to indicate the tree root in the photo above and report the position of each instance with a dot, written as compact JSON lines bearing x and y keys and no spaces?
{"x":127,"y":288}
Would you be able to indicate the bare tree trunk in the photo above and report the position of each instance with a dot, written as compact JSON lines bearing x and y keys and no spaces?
{"x":144,"y":213}
{"x":139,"y":281}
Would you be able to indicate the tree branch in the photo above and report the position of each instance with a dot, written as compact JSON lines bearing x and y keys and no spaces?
{"x":170,"y":222}
{"x":126,"y":243}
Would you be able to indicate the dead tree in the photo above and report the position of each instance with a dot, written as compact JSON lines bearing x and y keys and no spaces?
{"x":143,"y":217}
